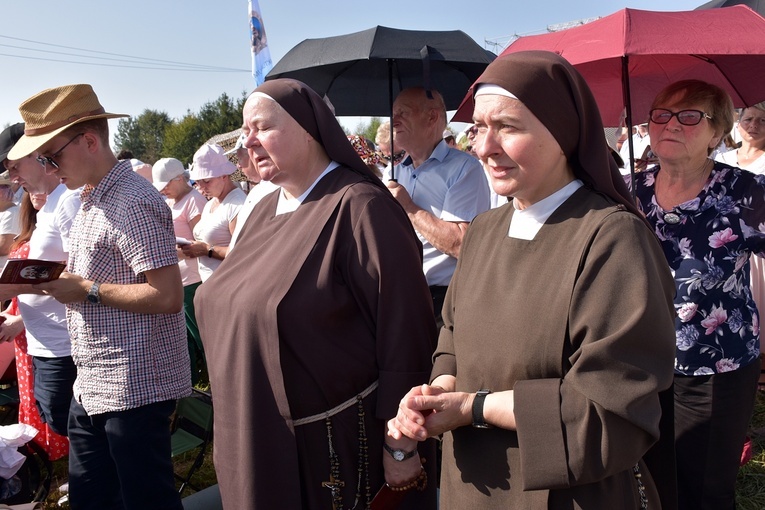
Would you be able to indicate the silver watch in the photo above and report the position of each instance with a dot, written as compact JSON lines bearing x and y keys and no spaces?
{"x":93,"y":294}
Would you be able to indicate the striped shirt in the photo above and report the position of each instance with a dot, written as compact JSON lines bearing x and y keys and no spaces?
{"x":124,"y":360}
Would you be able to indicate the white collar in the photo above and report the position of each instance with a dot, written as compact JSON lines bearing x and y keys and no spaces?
{"x":526,"y":222}
{"x":288,"y":205}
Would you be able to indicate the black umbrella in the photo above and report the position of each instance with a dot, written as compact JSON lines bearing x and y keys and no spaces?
{"x":756,"y":5}
{"x":359,"y":72}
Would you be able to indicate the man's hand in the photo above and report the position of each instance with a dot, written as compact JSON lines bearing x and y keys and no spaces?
{"x":68,"y":288}
{"x":401,"y":195}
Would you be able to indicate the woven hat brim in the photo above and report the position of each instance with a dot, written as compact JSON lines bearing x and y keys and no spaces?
{"x":28,"y":144}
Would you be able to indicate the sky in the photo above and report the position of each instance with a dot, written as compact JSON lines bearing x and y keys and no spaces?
{"x":140,"y":45}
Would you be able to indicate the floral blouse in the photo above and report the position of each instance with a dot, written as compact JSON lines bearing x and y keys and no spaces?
{"x":707,"y":242}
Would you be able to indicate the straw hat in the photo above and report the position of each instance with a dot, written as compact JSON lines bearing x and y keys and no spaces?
{"x":51,"y":111}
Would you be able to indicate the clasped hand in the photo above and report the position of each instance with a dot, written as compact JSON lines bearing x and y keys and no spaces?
{"x":429,"y":411}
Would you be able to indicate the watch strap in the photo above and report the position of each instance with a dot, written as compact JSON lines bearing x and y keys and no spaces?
{"x":478,"y":420}
{"x":94,"y":294}
{"x":399,"y":455}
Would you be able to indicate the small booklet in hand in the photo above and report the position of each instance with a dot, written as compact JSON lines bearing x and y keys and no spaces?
{"x":31,"y":271}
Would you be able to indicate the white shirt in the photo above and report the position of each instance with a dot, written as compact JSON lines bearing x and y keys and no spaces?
{"x":44,"y":317}
{"x":213,"y":228}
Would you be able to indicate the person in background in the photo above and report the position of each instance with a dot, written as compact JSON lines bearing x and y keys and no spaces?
{"x":449,"y":139}
{"x":441,"y":189}
{"x":124,"y":302}
{"x":47,"y":334}
{"x":331,"y":323}
{"x":12,"y":329}
{"x":751,"y":156}
{"x":641,"y":141}
{"x":9,"y":210}
{"x":260,"y":188}
{"x":547,"y":398}
{"x":170,"y":178}
{"x":382,"y":140}
{"x":708,"y":217}
{"x":9,"y":219}
{"x":212,"y":234}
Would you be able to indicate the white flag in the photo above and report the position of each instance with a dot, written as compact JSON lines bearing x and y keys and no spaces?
{"x":261,"y":56}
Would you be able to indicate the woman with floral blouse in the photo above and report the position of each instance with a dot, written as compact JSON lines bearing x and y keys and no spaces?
{"x":709,"y":217}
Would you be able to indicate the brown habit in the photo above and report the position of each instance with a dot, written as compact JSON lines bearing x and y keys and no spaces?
{"x":578,"y":322}
{"x":310,"y":309}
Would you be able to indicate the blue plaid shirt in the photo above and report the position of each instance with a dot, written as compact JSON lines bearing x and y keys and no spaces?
{"x":124,"y":360}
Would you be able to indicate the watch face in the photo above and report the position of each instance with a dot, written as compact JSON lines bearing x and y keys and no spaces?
{"x":398,"y":455}
{"x":92,"y":298}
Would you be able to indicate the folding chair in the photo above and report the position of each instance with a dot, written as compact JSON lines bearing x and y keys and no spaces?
{"x":192,"y":429}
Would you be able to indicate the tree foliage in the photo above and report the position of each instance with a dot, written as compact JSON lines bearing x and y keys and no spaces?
{"x":368,"y":129}
{"x":144,"y":135}
{"x":153,"y":135}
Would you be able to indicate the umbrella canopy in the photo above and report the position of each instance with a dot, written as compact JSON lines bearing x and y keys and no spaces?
{"x":628,"y":57}
{"x":359,"y":72}
{"x":755,"y":5}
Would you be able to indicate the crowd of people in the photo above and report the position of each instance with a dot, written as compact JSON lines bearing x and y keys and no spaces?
{"x":503,"y":314}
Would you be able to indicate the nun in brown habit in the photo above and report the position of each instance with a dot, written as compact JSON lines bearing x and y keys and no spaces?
{"x":317,"y":324}
{"x":558,"y":335}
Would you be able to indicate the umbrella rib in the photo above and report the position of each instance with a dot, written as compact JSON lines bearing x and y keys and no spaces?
{"x":731,"y":83}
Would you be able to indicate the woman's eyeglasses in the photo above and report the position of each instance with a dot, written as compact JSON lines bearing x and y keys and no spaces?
{"x":684,"y":117}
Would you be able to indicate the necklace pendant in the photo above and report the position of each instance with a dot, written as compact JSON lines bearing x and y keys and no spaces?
{"x":672,"y":218}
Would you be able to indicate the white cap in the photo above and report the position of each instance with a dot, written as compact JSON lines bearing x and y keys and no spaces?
{"x":164,"y":171}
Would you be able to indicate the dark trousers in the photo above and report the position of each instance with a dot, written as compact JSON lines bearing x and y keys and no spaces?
{"x":196,"y":350}
{"x":712,"y":416}
{"x":438,"y":293}
{"x":121,"y":460}
{"x":53,"y":381}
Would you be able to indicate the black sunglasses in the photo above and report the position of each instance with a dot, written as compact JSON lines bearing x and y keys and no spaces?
{"x":43,"y":160}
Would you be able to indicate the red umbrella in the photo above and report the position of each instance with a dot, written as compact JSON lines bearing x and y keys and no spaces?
{"x":628,"y":57}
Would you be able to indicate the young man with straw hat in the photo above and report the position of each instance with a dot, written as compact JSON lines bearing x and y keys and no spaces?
{"x":124,"y":299}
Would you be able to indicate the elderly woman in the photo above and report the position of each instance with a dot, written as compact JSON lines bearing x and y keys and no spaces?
{"x":170,"y":178}
{"x":548,"y":369}
{"x":211,"y":171}
{"x":332,"y":323}
{"x":709,"y":219}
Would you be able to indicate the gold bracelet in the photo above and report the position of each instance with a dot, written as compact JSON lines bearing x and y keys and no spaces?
{"x":420,"y":482}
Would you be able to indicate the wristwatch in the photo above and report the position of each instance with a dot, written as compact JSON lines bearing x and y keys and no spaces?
{"x":93,"y":294}
{"x":478,"y":420}
{"x":399,"y":455}
{"x":210,"y":251}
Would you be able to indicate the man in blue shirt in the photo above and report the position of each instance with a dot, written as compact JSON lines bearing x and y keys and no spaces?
{"x":441,"y":188}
